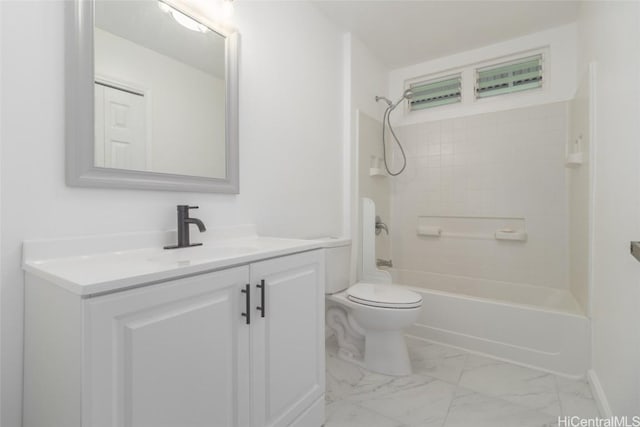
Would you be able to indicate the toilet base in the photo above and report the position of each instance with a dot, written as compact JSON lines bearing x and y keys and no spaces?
{"x":386,"y":352}
{"x":382,"y":351}
{"x":350,"y":338}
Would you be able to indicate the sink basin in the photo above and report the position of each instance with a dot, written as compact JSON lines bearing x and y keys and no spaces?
{"x":201,"y":253}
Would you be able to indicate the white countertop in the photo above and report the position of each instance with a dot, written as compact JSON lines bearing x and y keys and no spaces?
{"x":91,"y":265}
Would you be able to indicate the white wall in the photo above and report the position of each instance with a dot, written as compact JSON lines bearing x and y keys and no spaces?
{"x":365,"y":77}
{"x":186,"y":106}
{"x":1,"y":160}
{"x":290,"y":148}
{"x":369,"y":77}
{"x":609,"y":33}
{"x":559,"y":79}
{"x":495,"y":165}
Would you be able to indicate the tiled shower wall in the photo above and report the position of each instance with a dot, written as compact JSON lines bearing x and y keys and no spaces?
{"x":501,"y":164}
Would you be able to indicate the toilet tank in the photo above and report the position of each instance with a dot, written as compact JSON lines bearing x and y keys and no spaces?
{"x":337,"y":265}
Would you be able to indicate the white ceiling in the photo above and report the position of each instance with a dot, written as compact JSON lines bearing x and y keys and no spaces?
{"x":401,"y":33}
{"x":143,"y":23}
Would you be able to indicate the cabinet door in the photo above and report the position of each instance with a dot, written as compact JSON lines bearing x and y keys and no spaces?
{"x":168,"y":355}
{"x":288,"y":342}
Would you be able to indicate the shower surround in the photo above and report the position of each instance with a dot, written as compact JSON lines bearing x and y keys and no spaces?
{"x":467,"y":178}
{"x":507,"y":164}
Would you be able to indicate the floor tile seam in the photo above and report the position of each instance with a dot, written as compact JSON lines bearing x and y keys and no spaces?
{"x":555,"y":380}
{"x":505,"y":401}
{"x":554,"y":391}
{"x":466,"y":359}
{"x":438,"y":379}
{"x":359,"y":404}
{"x":403,"y":422}
{"x":455,"y":392}
{"x":453,"y":397}
{"x":349,"y":395}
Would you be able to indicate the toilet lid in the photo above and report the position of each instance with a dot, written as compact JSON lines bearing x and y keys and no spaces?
{"x":387,"y":296}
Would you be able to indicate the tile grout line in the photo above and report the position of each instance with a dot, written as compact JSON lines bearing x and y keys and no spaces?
{"x":455,"y":382}
{"x":455,"y":392}
{"x":555,"y":380}
{"x":402,"y":423}
{"x":446,"y":417}
{"x":502,"y":399}
{"x":464,"y":365}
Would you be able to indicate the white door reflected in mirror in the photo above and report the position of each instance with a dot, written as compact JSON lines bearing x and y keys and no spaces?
{"x":159,"y":91}
{"x":120,"y":128}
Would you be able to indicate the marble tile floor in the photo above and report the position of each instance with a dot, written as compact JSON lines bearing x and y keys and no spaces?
{"x":451,"y":388}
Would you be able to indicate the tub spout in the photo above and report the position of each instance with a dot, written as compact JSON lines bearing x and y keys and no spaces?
{"x":384,"y":263}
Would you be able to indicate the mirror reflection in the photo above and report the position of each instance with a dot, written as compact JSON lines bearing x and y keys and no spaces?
{"x":159,"y":90}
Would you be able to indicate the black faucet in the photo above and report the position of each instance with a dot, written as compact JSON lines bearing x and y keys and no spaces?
{"x":183,"y":227}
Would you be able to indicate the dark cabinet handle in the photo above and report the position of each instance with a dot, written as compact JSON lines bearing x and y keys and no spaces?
{"x":263,"y":289}
{"x":247,"y":292}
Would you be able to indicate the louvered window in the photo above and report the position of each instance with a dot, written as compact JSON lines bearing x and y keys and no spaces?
{"x":515,"y":76}
{"x":432,"y":93}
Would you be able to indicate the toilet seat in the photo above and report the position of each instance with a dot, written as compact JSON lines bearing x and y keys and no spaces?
{"x":383,"y":296}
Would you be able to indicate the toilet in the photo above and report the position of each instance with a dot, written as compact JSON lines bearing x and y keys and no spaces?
{"x":368,"y":318}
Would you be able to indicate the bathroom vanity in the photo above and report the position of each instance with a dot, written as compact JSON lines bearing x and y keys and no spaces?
{"x":121,"y":332}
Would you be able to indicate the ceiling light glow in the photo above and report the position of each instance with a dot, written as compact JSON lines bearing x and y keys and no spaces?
{"x":183,"y":19}
{"x":227,"y":9}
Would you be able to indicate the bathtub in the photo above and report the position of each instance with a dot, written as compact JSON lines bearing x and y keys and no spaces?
{"x":529,"y":325}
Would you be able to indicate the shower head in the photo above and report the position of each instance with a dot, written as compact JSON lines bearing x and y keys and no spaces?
{"x":407,"y":94}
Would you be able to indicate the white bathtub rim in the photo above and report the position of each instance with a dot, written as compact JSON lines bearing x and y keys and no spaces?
{"x":502,"y":359}
{"x":494,"y":301}
{"x":486,"y":340}
{"x":500,"y":282}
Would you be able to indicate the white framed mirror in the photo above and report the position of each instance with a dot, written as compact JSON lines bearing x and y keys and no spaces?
{"x":152,"y":97}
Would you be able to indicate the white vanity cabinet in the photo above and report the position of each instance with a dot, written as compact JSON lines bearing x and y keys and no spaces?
{"x":288,"y":342}
{"x":182,"y":352}
{"x":174,"y":354}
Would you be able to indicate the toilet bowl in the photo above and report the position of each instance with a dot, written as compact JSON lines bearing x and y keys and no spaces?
{"x":378,"y":314}
{"x":368,"y":317}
